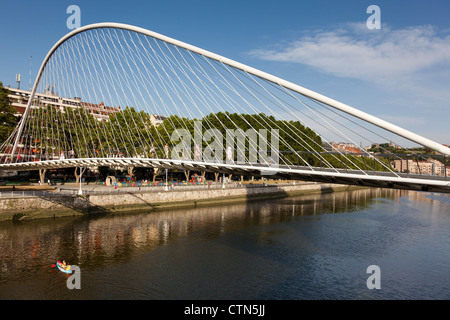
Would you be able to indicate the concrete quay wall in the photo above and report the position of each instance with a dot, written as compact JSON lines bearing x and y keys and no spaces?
{"x":36,"y":207}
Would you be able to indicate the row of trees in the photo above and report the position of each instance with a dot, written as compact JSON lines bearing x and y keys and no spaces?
{"x":130,"y":133}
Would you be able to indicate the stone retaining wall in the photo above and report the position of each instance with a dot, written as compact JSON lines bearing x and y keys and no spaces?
{"x":57,"y":206}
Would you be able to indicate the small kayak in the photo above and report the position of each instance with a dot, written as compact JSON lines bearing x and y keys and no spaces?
{"x":63,"y":268}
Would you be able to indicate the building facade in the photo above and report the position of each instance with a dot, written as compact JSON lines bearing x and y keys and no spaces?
{"x":19,"y":100}
{"x":427,"y":167}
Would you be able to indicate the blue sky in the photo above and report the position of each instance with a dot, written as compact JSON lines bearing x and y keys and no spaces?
{"x":400,"y":73}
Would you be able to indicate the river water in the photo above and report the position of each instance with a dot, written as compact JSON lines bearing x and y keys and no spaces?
{"x":305,"y":247}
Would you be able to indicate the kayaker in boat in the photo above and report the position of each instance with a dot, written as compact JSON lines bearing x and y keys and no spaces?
{"x":64,"y":265}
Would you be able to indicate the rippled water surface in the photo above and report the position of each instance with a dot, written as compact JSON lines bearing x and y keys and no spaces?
{"x":308,"y":247}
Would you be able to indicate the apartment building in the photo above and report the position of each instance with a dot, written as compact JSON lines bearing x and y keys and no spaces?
{"x":19,"y":100}
{"x":426,"y":167}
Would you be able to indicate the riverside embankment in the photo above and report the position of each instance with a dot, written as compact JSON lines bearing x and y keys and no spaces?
{"x":37,"y":205}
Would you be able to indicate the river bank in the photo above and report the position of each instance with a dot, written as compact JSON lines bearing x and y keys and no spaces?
{"x":47,"y":205}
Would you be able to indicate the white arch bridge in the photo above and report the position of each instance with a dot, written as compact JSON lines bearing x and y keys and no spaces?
{"x":111,"y":94}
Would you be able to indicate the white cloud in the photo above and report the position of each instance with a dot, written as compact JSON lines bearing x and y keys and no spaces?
{"x":410,"y":67}
{"x":405,"y":57}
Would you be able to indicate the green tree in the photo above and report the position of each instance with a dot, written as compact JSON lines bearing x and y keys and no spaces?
{"x":7,"y":118}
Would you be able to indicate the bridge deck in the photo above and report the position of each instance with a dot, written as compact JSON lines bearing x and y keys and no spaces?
{"x":326,"y":175}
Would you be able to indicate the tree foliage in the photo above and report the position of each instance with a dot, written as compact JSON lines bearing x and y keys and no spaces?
{"x":7,"y":118}
{"x":130,"y":133}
